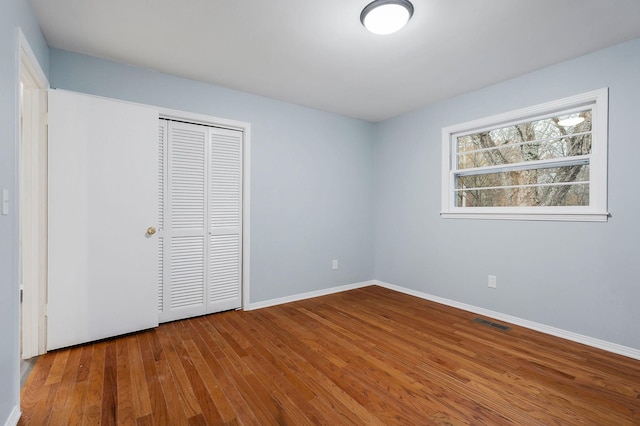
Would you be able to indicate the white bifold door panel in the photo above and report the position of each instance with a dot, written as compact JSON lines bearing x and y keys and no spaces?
{"x":103,"y":198}
{"x":200,"y":238}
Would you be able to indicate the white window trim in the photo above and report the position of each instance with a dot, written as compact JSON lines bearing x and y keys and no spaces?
{"x":595,"y":212}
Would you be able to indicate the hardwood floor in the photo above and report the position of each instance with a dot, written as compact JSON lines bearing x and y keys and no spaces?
{"x":366,"y":356}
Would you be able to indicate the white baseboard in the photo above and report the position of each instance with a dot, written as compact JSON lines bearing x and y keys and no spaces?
{"x":13,"y":417}
{"x":575,"y":337}
{"x":309,"y":295}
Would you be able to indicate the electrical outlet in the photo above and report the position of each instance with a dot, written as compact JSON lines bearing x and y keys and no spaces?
{"x":492,"y":281}
{"x":334,"y":264}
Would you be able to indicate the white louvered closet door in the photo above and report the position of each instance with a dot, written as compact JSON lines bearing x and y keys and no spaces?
{"x":225,"y":219}
{"x":200,"y":252}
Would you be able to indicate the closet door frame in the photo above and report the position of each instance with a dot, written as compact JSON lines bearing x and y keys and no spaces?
{"x":245,"y":128}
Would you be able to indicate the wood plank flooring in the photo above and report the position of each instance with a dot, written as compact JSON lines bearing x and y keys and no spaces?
{"x":366,"y":356}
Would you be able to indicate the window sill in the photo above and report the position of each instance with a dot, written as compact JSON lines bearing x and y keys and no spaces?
{"x":562,"y":217}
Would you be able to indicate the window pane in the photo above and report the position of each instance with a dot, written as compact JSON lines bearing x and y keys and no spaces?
{"x":577,"y":173}
{"x":555,"y":137}
{"x":539,"y":150}
{"x":556,"y":195}
{"x":531,"y":188}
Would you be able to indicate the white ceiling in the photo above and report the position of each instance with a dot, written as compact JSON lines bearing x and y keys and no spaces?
{"x":316,"y":53}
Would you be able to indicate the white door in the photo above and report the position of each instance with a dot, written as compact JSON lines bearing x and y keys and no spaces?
{"x":103,"y":197}
{"x":184,"y":233}
{"x":200,"y":241}
{"x":225,"y":220}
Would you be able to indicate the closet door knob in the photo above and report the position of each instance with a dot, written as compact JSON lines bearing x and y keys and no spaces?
{"x":151,"y":230}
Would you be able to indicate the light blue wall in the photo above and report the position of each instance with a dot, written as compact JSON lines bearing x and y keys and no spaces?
{"x":311,"y":173}
{"x":319,"y":187}
{"x":13,"y":14}
{"x":580,"y":277}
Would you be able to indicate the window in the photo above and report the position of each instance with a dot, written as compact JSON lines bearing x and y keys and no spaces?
{"x":547,"y":162}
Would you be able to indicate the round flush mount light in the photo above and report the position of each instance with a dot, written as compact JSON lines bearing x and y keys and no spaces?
{"x":386,"y":16}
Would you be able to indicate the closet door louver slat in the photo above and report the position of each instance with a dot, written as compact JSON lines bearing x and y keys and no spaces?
{"x":187,"y":271}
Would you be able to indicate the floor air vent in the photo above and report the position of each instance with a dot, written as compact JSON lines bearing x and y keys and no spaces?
{"x":492,"y":324}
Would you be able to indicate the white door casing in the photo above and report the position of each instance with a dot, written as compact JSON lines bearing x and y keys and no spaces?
{"x":33,"y":196}
{"x":103,"y":196}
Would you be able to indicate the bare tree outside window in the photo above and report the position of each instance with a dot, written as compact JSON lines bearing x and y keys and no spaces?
{"x":519,"y":148}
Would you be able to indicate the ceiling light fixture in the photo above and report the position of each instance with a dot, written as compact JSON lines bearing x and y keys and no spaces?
{"x":386,"y":16}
